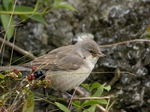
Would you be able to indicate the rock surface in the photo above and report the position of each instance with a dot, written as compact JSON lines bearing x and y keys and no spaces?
{"x":109,"y":21}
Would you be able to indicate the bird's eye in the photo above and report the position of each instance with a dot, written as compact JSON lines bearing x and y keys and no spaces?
{"x":92,"y":52}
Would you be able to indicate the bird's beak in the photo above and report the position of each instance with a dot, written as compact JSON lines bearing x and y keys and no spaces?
{"x":101,"y":55}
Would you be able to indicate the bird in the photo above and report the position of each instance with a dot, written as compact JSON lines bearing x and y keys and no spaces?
{"x":68,"y":66}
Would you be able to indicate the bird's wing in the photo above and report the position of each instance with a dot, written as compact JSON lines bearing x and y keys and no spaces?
{"x":59,"y":59}
{"x":69,"y":62}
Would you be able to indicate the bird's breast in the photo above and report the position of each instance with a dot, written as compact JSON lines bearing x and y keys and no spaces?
{"x":91,"y":61}
{"x":64,"y":81}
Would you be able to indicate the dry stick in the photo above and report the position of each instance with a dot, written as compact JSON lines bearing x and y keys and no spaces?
{"x":12,"y":50}
{"x":24,"y":52}
{"x":101,"y":108}
{"x":91,"y":98}
{"x":125,"y":42}
{"x":69,"y":105}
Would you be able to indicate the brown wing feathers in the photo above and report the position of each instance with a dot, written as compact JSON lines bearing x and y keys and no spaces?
{"x":58,"y":59}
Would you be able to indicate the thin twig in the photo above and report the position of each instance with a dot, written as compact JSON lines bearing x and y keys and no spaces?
{"x":22,"y":51}
{"x":110,"y":106}
{"x":69,"y":105}
{"x":101,"y":108}
{"x":125,"y":42}
{"x":91,"y":98}
{"x":12,"y":50}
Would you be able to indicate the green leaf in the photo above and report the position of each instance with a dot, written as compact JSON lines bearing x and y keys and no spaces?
{"x":77,"y":104}
{"x":103,"y":101}
{"x":86,"y":86}
{"x":7,"y":4}
{"x":99,"y":91}
{"x":1,"y":8}
{"x":29,"y":103}
{"x":38,"y":18}
{"x":91,"y":109}
{"x":92,"y":102}
{"x":95,"y":85}
{"x":108,"y":88}
{"x":63,"y":5}
{"x":8,"y":29}
{"x":62,"y":107}
{"x":23,"y":9}
{"x":2,"y":76}
{"x":23,"y":17}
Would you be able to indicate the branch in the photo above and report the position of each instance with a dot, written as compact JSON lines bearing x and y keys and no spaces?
{"x":24,"y":52}
{"x":125,"y":42}
{"x":91,"y":98}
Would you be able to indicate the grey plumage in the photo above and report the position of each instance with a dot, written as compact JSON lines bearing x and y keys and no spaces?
{"x":68,"y":66}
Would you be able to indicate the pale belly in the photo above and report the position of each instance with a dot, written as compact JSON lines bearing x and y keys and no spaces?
{"x":64,"y":81}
